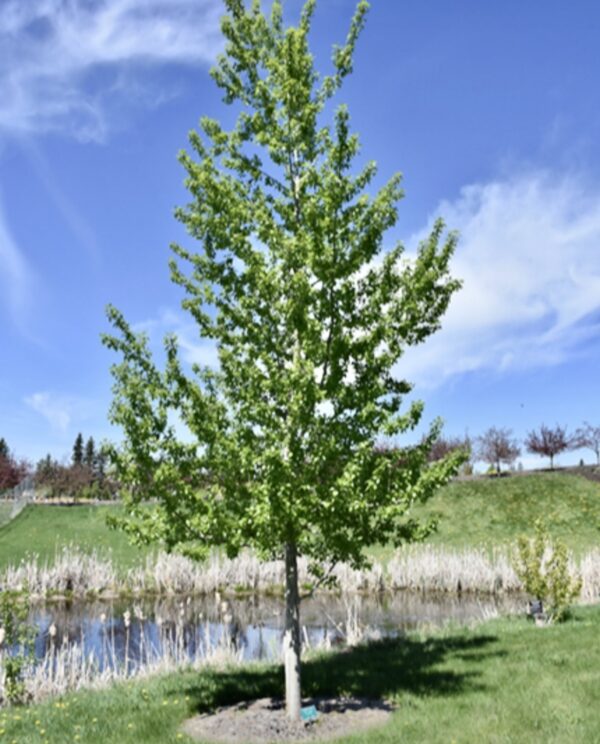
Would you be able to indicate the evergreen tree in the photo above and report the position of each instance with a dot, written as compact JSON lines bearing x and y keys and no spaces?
{"x":309,"y":314}
{"x":89,"y":457}
{"x":4,"y":451}
{"x":100,"y":464}
{"x":77,"y":458}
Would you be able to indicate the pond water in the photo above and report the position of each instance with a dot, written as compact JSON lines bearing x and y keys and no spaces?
{"x":131,"y":633}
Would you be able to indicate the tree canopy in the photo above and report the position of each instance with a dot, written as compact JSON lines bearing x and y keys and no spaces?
{"x":310,"y":310}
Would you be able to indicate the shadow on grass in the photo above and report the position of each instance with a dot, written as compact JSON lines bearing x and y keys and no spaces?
{"x":384,"y":669}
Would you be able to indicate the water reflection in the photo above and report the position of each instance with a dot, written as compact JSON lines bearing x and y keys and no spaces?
{"x":131,"y":633}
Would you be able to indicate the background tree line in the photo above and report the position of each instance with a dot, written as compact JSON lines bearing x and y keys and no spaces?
{"x":86,"y":474}
{"x":497,"y":446}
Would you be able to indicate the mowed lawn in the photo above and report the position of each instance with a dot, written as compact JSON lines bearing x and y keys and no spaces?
{"x":42,"y":531}
{"x":504,"y":681}
{"x":483,"y":512}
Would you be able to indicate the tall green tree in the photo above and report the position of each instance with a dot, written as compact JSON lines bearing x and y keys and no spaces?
{"x":77,"y":456}
{"x":89,"y":455}
{"x":4,"y":450}
{"x":309,"y":313}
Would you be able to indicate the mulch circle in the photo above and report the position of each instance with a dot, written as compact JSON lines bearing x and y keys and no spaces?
{"x":262,"y":721}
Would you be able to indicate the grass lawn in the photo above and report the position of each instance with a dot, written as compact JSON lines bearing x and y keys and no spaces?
{"x":44,"y":530}
{"x":504,"y":681}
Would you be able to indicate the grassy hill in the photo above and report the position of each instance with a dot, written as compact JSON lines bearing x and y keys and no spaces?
{"x":44,"y":530}
{"x":471,"y":513}
{"x":495,"y":511}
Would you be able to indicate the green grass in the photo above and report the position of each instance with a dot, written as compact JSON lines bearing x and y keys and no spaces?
{"x":44,"y":530}
{"x":505,"y":681}
{"x":5,"y":512}
{"x":495,"y":511}
{"x":492,"y":512}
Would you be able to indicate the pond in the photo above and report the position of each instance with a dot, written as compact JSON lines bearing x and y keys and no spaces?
{"x":132,"y":634}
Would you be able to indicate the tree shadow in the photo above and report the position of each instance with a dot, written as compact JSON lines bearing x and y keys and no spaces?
{"x":382,"y":669}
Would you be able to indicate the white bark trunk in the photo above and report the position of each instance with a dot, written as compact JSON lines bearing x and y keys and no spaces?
{"x":291,"y":638}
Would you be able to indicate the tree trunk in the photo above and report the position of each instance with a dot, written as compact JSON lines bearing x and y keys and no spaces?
{"x":551,"y":462}
{"x":291,"y":638}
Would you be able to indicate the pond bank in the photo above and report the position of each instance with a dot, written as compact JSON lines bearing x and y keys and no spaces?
{"x":503,"y":680}
{"x":422,"y":568}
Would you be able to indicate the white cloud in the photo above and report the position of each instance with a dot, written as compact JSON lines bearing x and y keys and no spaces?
{"x":51,"y":50}
{"x":194,"y":350}
{"x":15,"y":275}
{"x":56,"y":410}
{"x":529,"y":256}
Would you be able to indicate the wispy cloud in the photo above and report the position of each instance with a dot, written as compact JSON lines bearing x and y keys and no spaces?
{"x":16,"y":280}
{"x":529,"y":255}
{"x":62,"y":61}
{"x":194,"y":350}
{"x":56,"y":410}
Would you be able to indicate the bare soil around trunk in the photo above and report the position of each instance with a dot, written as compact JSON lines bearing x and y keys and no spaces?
{"x":264,"y":721}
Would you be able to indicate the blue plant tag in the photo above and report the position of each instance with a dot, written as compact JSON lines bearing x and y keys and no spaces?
{"x":309,"y":713}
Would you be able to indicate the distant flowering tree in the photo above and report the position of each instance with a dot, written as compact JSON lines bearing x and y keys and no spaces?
{"x":12,"y":471}
{"x":588,"y":437}
{"x":548,"y":442}
{"x":497,"y":448}
{"x":309,"y":315}
{"x":443,"y":446}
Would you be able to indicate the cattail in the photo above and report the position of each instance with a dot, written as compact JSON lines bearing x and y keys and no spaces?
{"x":137,"y":611}
{"x":52,"y":630}
{"x":103,"y":617}
{"x":127,"y":618}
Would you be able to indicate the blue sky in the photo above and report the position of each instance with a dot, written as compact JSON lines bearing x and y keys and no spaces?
{"x":490,"y":110}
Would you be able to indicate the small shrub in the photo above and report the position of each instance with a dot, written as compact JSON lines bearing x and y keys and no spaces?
{"x":542,"y":565}
{"x":16,"y":644}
